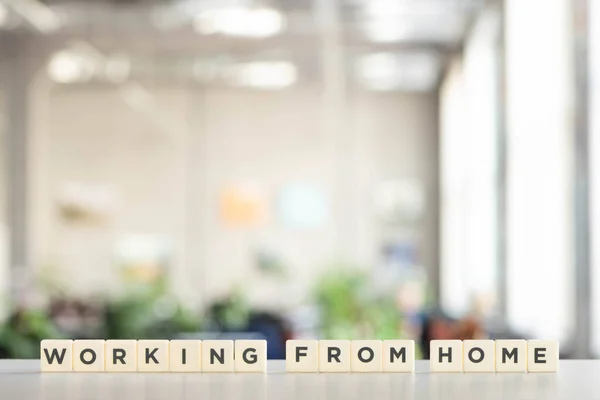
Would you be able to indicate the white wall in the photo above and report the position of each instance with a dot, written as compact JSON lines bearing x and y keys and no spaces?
{"x":169,"y":165}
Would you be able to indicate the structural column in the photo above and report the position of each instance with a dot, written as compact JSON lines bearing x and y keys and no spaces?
{"x":15,"y":80}
{"x":583,"y":275}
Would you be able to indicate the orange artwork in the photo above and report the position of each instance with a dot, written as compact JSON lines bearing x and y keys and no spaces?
{"x":242,"y":206}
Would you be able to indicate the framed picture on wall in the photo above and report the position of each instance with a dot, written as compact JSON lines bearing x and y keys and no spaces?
{"x":243,"y":205}
{"x":302,"y":206}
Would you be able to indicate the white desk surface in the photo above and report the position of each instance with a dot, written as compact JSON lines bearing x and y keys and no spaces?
{"x":576,"y":380}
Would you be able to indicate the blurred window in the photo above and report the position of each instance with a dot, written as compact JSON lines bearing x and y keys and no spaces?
{"x":540,"y":267}
{"x":469,"y":134}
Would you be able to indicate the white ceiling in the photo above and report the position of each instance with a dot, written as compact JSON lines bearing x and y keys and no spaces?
{"x":170,"y":39}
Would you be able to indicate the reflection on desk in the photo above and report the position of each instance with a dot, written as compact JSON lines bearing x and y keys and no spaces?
{"x":21,"y":379}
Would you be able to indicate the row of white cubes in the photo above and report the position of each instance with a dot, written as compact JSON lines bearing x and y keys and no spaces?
{"x":153,"y":355}
{"x":301,"y":356}
{"x":399,"y":356}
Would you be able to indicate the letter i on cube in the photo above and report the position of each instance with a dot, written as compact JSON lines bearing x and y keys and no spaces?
{"x":185,"y":356}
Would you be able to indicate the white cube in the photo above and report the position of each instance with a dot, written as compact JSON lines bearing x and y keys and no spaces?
{"x":478,"y":356}
{"x":88,"y":355}
{"x":511,"y":356}
{"x":153,"y":356}
{"x":250,"y":356}
{"x":302,"y":356}
{"x":217,"y":356}
{"x":366,"y":356}
{"x":446,"y":356}
{"x":120,"y":355}
{"x":56,"y":355}
{"x":398,"y":356}
{"x":542,"y":355}
{"x":184,"y":355}
{"x":334,"y":355}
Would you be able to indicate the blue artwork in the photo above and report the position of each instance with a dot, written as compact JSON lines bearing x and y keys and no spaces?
{"x":302,"y":206}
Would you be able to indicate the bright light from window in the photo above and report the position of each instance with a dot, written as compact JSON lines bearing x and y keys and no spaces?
{"x":469,"y":124}
{"x":242,"y":22}
{"x":594,"y":22}
{"x":263,"y":75}
{"x":3,"y":15}
{"x":540,"y":272}
{"x":70,"y":67}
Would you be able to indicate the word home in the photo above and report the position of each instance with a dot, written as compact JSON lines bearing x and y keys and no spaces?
{"x":494,"y":356}
{"x":153,"y":356}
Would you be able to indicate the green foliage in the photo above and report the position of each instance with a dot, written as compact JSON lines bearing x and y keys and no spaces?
{"x":230,"y":314}
{"x":350,"y":308}
{"x":149,"y":312}
{"x":20,"y":336}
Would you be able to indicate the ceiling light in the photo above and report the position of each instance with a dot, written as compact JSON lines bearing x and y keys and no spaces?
{"x":387,"y":30}
{"x":263,"y":75}
{"x":401,"y":20}
{"x":70,"y":67}
{"x":410,"y":71}
{"x":243,"y":22}
{"x":384,"y":7}
{"x":387,"y":8}
{"x":37,"y":14}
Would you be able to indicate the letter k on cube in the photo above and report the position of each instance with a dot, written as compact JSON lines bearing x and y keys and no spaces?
{"x":153,"y":356}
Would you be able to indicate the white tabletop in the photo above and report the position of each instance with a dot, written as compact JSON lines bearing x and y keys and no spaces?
{"x":21,"y":379}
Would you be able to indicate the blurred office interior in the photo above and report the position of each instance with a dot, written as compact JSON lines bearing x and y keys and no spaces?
{"x":299,"y":168}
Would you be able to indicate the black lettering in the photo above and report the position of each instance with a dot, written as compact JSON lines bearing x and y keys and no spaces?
{"x":368,"y":359}
{"x":538,"y":355}
{"x":150,"y":355}
{"x":252,"y":359}
{"x":220,"y":357}
{"x":299,"y":354}
{"x":448,"y":354}
{"x":183,"y":358}
{"x":333,"y":353}
{"x":506,"y":354}
{"x":481,"y":355}
{"x":398,"y":354}
{"x":82,"y":356}
{"x":54,"y":355}
{"x":119,"y":354}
